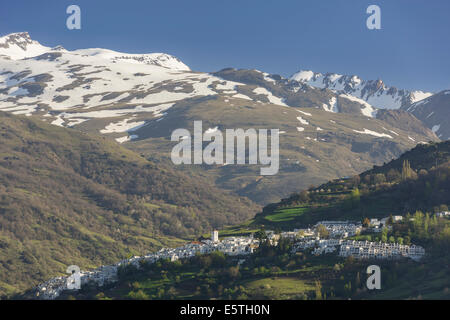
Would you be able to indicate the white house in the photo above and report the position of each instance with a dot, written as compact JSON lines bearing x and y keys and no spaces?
{"x":215,"y":236}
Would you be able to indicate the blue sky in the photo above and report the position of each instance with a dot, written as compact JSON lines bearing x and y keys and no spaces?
{"x":410,"y":51}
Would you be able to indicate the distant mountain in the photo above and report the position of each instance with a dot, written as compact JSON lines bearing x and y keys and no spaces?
{"x":315,"y":144}
{"x":374,"y":92}
{"x":434,"y":111}
{"x":20,"y":45}
{"x":138,"y":100}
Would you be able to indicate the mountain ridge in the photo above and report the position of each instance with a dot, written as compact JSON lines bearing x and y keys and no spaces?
{"x":374,"y":92}
{"x":139,"y":104}
{"x":20,"y":45}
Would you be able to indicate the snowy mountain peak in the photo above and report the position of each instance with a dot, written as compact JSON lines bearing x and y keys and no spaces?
{"x":20,"y":45}
{"x":304,"y":75}
{"x":380,"y":84}
{"x":58,"y":48}
{"x":158,"y":59}
{"x":375,"y":92}
{"x":21,"y":39}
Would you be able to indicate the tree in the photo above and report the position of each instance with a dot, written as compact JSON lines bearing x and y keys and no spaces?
{"x":407,"y":171}
{"x":393,"y":175}
{"x":303,"y":196}
{"x":322,"y":231}
{"x":284,"y":245}
{"x":233,"y":272}
{"x":366,"y":222}
{"x":379,"y":178}
{"x":218,"y":259}
{"x":390,"y":220}
{"x":407,"y":240}
{"x":356,"y":194}
{"x":348,"y":287}
{"x":426,"y":223}
{"x":355,"y":181}
{"x":260,"y":235}
{"x":384,"y":235}
{"x":318,"y":290}
{"x":358,"y":280}
{"x":355,"y":198}
{"x":141,"y":295}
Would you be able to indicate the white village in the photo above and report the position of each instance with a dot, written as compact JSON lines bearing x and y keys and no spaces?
{"x":336,"y":242}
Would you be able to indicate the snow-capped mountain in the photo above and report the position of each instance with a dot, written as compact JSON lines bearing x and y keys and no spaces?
{"x":59,"y":85}
{"x":139,"y":99}
{"x":19,"y":45}
{"x":374,"y":92}
{"x":434,"y":111}
{"x":85,"y":86}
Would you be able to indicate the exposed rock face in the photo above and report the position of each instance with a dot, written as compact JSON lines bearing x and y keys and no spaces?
{"x":435,"y":113}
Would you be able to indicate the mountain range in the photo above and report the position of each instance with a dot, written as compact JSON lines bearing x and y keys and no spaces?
{"x":86,"y":141}
{"x":374,"y":92}
{"x":432,"y":109}
{"x":139,"y":99}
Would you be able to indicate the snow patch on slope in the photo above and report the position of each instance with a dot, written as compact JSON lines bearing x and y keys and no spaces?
{"x":122,"y":126}
{"x":302,"y":121}
{"x":273,"y":99}
{"x":373,"y":133}
{"x":368,"y":110}
{"x":331,"y":106}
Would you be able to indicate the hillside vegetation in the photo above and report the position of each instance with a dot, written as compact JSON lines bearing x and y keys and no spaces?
{"x":418,"y":180}
{"x":275,"y":272}
{"x":67,"y":197}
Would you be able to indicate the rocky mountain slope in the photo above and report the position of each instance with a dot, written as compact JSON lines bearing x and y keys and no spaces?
{"x":435,"y":113}
{"x":374,"y":92}
{"x":432,"y":109}
{"x":139,"y":100}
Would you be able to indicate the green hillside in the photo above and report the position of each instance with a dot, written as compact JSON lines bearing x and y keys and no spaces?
{"x":67,"y":197}
{"x":418,"y":180}
{"x":274,"y":272}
